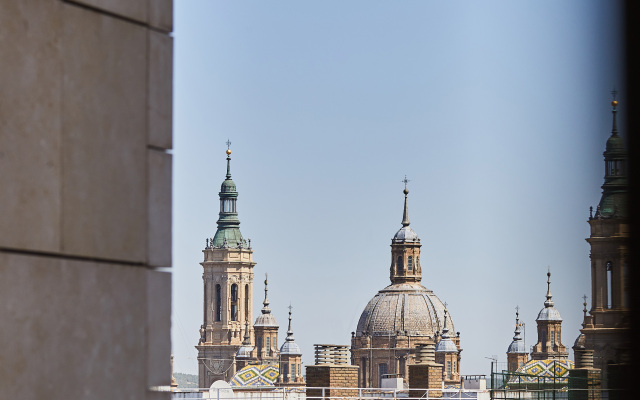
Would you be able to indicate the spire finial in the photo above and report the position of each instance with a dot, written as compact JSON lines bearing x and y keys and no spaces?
{"x":516,"y":336}
{"x":405,"y":215}
{"x":289,"y":330}
{"x":549,"y":302}
{"x":584,"y":310}
{"x":228,"y":143}
{"x":614,"y":104}
{"x":265,"y":309}
{"x":247,"y":337}
{"x":445,"y":330}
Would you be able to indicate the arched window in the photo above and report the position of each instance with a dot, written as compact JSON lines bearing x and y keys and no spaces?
{"x":234,"y":302}
{"x":234,"y":292}
{"x":609,"y":284}
{"x":246,"y":301}
{"x":218,"y":304}
{"x":410,"y":263}
{"x":400,"y":265}
{"x":417,"y":262}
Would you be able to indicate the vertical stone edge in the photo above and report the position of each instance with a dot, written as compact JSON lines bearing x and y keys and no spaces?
{"x":158,"y":328}
{"x":161,"y":14}
{"x":160,"y":89}
{"x":159,"y":208}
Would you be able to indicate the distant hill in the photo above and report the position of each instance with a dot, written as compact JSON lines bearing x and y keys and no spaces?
{"x":186,"y":381}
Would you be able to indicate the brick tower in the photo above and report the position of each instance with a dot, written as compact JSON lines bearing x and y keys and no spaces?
{"x":549,"y":322}
{"x":266,"y":333}
{"x":517,"y":354}
{"x":290,"y":360}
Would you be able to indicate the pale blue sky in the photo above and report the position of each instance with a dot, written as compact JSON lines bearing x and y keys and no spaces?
{"x":497,"y":111}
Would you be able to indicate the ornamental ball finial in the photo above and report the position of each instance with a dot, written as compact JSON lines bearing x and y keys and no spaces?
{"x":228,"y":151}
{"x":614,"y":103}
{"x":405,"y":191}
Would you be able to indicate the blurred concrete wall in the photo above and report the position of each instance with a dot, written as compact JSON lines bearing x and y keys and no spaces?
{"x":85,"y":198}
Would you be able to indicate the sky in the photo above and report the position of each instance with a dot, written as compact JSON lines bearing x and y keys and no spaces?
{"x":496,"y":111}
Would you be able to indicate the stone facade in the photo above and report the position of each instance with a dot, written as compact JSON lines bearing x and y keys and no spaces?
{"x":228,"y":284}
{"x":85,"y":235}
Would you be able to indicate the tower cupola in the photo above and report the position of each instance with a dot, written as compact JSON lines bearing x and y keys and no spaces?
{"x":613,"y":202}
{"x":549,"y":323}
{"x":228,"y":233}
{"x":405,"y":249}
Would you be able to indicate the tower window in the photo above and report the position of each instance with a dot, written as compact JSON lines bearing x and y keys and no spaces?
{"x":553,"y":339}
{"x":382,"y":371}
{"x":228,"y":205}
{"x":410,"y":263}
{"x":268,"y":346}
{"x":246,"y":301}
{"x":234,"y":292}
{"x":609,"y":284}
{"x":448,"y":369}
{"x":234,"y":302}
{"x":400,"y":265}
{"x":218,"y":303}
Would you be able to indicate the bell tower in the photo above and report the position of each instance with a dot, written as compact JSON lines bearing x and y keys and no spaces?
{"x":549,"y":321}
{"x":228,"y":287}
{"x":405,"y":250}
{"x":607,"y":327}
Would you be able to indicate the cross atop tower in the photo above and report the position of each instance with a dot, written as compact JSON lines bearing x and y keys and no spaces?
{"x":614,"y":93}
{"x":228,"y":143}
{"x":405,"y":181}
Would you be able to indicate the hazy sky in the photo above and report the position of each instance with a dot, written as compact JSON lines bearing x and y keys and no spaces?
{"x":497,"y":111}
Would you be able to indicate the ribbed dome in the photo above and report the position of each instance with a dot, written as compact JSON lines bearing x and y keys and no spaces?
{"x":404,"y":234}
{"x":291,"y":348}
{"x":615,"y":144}
{"x":266,"y":320}
{"x":446,"y":346}
{"x":580,"y":341}
{"x":549,"y":314}
{"x":405,"y":307}
{"x":244,"y":352}
{"x":517,"y":346}
{"x":228,"y":186}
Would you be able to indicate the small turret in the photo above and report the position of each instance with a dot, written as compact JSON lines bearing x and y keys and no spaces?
{"x":517,"y":351}
{"x":405,"y":249}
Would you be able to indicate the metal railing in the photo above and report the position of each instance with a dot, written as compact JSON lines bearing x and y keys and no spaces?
{"x":327,"y":393}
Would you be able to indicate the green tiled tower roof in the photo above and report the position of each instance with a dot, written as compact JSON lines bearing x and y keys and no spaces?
{"x":228,"y":233}
{"x":614,"y":200}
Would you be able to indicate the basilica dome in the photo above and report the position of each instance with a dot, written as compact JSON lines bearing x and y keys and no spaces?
{"x":406,"y":308}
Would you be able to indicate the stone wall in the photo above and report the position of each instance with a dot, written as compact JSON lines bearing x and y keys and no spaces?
{"x":425,"y":376}
{"x":330,"y":377}
{"x":85,"y":227}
